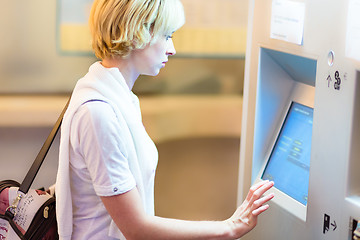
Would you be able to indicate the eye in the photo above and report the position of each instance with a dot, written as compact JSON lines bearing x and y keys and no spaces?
{"x":168,"y":37}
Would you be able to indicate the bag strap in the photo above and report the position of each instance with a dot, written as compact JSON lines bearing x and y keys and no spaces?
{"x":30,"y":176}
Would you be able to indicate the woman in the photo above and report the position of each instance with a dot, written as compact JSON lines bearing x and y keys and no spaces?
{"x":107,"y":164}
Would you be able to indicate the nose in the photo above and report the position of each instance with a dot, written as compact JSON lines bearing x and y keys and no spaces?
{"x":170,"y":48}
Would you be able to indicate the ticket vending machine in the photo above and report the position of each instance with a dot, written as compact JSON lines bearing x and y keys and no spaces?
{"x":301,"y":117}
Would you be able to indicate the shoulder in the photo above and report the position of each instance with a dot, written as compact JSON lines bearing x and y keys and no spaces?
{"x":96,"y":111}
{"x":96,"y":124}
{"x":98,"y":117}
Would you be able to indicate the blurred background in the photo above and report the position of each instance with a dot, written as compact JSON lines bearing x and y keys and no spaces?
{"x":192,"y":109}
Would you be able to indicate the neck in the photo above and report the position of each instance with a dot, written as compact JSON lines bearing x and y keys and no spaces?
{"x":125,"y":67}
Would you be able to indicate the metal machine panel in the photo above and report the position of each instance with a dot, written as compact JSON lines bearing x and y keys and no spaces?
{"x":317,"y":70}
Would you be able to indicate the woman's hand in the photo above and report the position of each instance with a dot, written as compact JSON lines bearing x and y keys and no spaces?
{"x":245,"y":217}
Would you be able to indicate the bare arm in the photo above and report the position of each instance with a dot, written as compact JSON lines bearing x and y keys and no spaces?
{"x":127,"y":212}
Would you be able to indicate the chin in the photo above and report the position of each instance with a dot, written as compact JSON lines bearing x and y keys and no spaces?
{"x":153,"y":73}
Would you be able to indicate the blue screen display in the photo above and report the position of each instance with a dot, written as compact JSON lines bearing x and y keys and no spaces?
{"x":289,"y":162}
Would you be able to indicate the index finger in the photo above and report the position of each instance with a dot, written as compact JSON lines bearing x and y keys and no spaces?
{"x":259,"y":189}
{"x":254,"y":187}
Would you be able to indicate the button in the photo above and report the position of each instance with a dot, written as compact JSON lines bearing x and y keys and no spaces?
{"x":331,"y":57}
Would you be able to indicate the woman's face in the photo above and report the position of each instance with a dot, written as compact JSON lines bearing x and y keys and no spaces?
{"x":154,"y":56}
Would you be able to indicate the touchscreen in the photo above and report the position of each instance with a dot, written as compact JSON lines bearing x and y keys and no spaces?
{"x":289,"y":162}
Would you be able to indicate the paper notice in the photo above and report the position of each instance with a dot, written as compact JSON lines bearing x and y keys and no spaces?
{"x":352,"y":49}
{"x":287,"y":21}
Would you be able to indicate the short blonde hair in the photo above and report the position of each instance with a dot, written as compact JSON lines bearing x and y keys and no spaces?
{"x":119,"y":26}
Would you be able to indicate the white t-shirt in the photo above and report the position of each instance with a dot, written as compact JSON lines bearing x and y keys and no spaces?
{"x":99,"y":167}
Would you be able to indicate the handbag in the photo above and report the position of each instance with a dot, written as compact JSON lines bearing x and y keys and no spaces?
{"x":29,"y":214}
